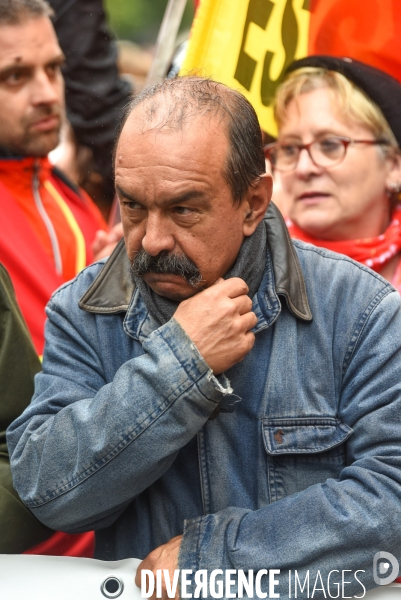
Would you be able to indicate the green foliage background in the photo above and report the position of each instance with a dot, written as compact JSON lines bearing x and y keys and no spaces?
{"x":139,"y":20}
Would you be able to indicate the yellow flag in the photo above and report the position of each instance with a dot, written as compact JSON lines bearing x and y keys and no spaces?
{"x":247,"y":44}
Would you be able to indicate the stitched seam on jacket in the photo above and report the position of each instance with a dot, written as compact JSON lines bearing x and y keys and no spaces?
{"x":72,"y":281}
{"x":374,"y":303}
{"x":361,"y":324}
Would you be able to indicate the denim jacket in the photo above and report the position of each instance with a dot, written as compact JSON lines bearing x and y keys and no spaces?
{"x":301,"y":467}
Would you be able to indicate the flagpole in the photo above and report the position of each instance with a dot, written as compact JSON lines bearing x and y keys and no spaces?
{"x":166,"y":40}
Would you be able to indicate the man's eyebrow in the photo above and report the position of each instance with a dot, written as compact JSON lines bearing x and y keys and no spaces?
{"x":185,"y":197}
{"x":20,"y":65}
{"x":17,"y":66}
{"x":59,"y":59}
{"x":123,"y":194}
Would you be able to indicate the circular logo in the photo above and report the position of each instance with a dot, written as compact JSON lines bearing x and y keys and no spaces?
{"x":112,"y":587}
{"x":382,"y":561}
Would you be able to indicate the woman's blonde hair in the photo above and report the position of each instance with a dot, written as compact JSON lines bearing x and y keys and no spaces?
{"x":353,"y":103}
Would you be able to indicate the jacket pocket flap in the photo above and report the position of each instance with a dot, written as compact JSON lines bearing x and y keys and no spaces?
{"x":305,"y":435}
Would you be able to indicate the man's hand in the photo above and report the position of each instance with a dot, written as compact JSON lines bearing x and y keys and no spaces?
{"x":163,"y":557}
{"x":219,"y":320}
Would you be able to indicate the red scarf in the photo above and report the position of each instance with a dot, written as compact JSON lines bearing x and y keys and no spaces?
{"x":373,"y":252}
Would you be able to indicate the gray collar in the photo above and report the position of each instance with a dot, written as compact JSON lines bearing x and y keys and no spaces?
{"x":112,"y":290}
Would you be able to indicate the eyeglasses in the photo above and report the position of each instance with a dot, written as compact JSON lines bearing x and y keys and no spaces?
{"x":327,"y":152}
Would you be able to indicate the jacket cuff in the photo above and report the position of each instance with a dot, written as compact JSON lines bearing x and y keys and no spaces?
{"x":193,"y":362}
{"x":190,"y":545}
{"x":196,"y":535}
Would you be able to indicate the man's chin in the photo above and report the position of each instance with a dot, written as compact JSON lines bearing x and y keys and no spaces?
{"x":41,"y":144}
{"x":173,"y":288}
{"x":177,"y":297}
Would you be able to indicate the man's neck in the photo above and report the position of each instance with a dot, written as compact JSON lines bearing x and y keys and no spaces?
{"x":7,"y":153}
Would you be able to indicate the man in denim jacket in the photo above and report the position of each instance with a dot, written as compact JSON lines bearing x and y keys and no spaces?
{"x":226,"y":398}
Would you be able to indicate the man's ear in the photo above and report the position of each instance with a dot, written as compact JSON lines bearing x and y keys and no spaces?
{"x":256,"y":203}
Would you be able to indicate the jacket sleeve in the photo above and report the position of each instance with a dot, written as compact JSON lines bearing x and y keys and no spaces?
{"x":83,"y":436}
{"x":20,"y":530}
{"x":342,"y":523}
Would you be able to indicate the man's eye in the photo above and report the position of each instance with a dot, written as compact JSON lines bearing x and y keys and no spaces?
{"x":13,"y":78}
{"x":53,"y":70}
{"x":132,"y":205}
{"x":183,"y":210}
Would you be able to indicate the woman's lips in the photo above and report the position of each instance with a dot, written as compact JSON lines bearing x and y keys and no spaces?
{"x":312,"y":197}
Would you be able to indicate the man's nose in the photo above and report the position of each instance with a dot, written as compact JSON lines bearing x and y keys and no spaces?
{"x":158,"y":236}
{"x":45,"y":90}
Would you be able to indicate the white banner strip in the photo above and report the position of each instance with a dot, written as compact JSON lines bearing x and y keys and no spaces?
{"x":31,"y":577}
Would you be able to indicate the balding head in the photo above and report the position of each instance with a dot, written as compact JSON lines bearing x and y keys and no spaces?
{"x":178,"y":103}
{"x":13,"y":12}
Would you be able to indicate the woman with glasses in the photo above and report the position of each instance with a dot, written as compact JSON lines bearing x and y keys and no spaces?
{"x":338,"y":157}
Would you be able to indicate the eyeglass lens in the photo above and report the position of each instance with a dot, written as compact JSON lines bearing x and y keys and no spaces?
{"x":324,"y":153}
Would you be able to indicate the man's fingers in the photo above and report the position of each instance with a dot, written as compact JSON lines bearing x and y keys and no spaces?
{"x":138,"y":575}
{"x":163,"y":557}
{"x":249,"y":320}
{"x":250,"y":338}
{"x":243,"y":304}
{"x":233,"y":287}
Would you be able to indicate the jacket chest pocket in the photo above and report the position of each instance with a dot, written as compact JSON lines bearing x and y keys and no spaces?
{"x":302,"y":452}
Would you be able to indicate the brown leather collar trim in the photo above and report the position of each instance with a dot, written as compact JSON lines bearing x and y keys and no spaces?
{"x":112,"y":290}
{"x":288,"y":278}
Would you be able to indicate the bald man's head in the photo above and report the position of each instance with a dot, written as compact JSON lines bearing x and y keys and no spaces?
{"x":183,"y":102}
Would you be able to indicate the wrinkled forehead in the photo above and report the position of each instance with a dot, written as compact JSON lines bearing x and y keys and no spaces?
{"x":150,"y":130}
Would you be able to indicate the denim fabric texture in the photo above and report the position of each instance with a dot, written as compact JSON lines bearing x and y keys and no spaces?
{"x":301,"y":469}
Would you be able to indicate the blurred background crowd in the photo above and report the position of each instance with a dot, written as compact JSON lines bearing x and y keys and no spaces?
{"x":123,"y":32}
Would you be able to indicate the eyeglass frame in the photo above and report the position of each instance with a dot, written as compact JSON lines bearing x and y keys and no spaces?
{"x":344,"y":140}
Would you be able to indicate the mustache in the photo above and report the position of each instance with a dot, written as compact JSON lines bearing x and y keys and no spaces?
{"x":172,"y":264}
{"x":51,"y":110}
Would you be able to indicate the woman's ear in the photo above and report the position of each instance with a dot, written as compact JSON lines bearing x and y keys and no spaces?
{"x":393,"y":182}
{"x":256,"y":203}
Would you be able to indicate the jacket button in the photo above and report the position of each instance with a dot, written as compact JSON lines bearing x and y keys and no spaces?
{"x":112,"y":587}
{"x":278,"y":436}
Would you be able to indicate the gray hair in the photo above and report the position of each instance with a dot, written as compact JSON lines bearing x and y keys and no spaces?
{"x":13,"y":12}
{"x":177,"y":101}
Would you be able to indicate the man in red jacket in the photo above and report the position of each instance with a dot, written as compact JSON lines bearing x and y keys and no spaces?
{"x":47,"y":223}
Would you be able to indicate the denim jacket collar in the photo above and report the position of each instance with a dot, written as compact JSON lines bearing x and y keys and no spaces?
{"x":113,"y":290}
